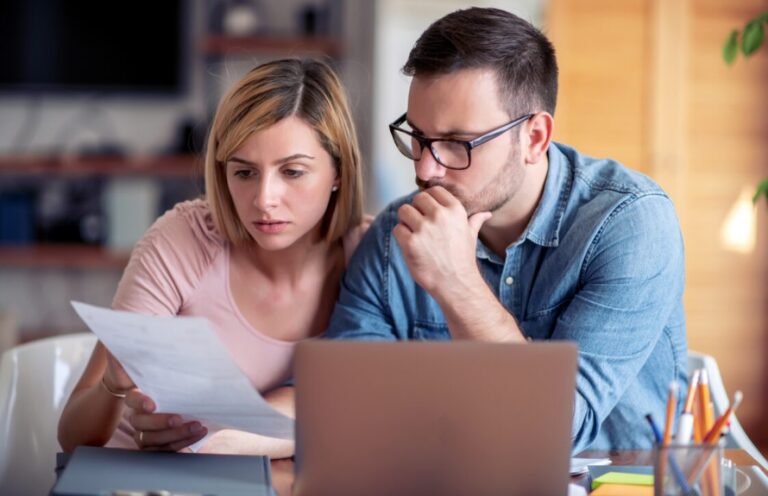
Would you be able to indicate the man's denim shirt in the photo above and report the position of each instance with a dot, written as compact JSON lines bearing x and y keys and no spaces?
{"x":600,"y":264}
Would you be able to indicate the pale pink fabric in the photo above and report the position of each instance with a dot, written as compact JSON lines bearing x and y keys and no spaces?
{"x":181,"y":267}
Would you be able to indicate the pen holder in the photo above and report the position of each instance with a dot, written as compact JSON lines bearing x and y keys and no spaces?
{"x":688,"y":470}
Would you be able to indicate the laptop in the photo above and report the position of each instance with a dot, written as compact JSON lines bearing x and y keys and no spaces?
{"x":418,"y":418}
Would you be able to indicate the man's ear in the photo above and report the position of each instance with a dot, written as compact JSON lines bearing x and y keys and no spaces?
{"x":539,"y":130}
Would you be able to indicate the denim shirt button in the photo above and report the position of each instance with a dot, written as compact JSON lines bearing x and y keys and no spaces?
{"x":509,"y":280}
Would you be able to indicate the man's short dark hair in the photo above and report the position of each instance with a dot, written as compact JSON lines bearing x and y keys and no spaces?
{"x":521,"y":56}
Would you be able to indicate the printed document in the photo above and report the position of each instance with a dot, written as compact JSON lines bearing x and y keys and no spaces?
{"x":180,"y":363}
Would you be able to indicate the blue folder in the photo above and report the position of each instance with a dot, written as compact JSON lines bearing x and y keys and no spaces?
{"x":102,"y":471}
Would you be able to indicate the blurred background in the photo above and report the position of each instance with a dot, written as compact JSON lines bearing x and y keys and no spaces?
{"x":104,"y":110}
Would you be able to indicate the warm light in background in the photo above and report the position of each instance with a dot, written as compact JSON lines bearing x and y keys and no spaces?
{"x":739,"y":230}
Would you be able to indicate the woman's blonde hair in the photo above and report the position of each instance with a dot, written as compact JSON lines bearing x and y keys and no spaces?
{"x":305,"y":88}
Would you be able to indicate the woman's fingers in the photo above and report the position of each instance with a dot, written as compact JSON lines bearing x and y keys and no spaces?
{"x":154,"y":421}
{"x":183,"y":443}
{"x":139,"y":401}
{"x":115,"y":374}
{"x":170,"y":439}
{"x":159,"y":431}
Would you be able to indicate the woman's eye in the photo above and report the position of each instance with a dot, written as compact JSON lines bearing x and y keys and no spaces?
{"x":243,"y":173}
{"x":293,"y":173}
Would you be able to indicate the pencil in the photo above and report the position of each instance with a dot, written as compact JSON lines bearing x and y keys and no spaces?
{"x":705,"y":405}
{"x":713,"y":436}
{"x":688,"y":408}
{"x":711,"y":439}
{"x":671,"y":405}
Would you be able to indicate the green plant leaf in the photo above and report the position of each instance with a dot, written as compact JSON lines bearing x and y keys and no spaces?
{"x":762,"y":17}
{"x":752,"y":38}
{"x":762,"y":190}
{"x":731,"y":47}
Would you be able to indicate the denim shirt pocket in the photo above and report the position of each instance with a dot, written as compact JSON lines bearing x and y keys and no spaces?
{"x":540,"y":323}
{"x":430,"y":331}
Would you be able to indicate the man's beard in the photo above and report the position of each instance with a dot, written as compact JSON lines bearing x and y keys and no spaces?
{"x":497,"y":192}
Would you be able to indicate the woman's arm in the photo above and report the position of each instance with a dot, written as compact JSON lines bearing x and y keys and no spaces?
{"x":228,"y":441}
{"x":164,"y":266}
{"x":95,"y":408}
{"x":92,"y":413}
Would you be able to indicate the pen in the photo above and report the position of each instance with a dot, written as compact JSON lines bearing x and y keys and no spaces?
{"x":685,"y":424}
{"x":678,"y":474}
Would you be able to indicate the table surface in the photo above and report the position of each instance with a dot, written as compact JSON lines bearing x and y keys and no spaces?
{"x":282,"y":470}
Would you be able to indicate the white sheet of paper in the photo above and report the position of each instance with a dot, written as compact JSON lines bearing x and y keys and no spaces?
{"x":180,"y":363}
{"x":581,"y":465}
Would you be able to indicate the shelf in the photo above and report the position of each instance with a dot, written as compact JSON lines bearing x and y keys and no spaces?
{"x":165,"y":166}
{"x":62,"y":256}
{"x":222,"y":45}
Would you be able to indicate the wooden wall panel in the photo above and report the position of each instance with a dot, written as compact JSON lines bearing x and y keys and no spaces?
{"x":643,"y":81}
{"x":728,"y":126}
{"x":603,"y":99}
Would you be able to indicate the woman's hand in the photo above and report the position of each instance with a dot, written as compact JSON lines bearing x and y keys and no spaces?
{"x":115,"y":378}
{"x":159,"y":431}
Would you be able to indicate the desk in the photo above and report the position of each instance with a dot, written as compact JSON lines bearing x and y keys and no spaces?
{"x":738,"y":456}
{"x":282,"y":470}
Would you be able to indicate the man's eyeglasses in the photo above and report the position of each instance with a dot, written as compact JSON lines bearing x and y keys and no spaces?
{"x":450,"y":153}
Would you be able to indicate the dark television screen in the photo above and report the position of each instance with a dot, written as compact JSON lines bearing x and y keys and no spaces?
{"x":91,"y":45}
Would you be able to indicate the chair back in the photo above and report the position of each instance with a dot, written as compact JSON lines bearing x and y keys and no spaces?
{"x":35,"y":382}
{"x":737,"y":436}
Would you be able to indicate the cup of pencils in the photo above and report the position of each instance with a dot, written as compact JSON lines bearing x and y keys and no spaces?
{"x":691,"y":461}
{"x":692,"y":469}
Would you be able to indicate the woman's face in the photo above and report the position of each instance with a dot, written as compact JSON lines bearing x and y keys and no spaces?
{"x":281,"y":181}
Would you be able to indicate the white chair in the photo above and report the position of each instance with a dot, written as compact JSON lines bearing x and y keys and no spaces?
{"x":737,"y":437}
{"x":35,"y":381}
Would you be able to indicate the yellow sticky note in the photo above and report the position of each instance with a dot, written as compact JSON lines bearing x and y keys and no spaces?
{"x":622,"y":490}
{"x":623,"y":478}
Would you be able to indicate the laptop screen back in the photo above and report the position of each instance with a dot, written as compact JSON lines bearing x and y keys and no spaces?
{"x":433,"y":417}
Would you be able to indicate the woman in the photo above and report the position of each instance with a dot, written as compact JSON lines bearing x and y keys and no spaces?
{"x":261,"y":257}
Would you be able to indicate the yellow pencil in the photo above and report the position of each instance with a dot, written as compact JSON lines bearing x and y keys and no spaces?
{"x":705,"y":405}
{"x":713,"y":436}
{"x":671,"y":405}
{"x":711,"y":439}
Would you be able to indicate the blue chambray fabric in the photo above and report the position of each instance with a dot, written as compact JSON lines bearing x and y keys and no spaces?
{"x":600,"y":264}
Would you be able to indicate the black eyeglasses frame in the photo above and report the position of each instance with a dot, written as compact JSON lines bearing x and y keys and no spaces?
{"x":425,"y":142}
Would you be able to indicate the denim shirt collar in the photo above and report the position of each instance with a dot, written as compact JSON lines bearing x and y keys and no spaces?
{"x":544,"y":227}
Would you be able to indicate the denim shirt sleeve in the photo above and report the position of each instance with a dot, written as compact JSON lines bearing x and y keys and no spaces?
{"x":362,"y":311}
{"x":630,"y":281}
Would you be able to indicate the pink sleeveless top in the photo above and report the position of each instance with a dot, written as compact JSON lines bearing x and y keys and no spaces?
{"x":181,"y":267}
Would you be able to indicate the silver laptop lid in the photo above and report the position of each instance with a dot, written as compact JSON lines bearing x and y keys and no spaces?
{"x":443,"y":418}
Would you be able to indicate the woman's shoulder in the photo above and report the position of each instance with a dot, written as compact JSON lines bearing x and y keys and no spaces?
{"x":193,"y":216}
{"x":167,"y":264}
{"x":185,"y":237}
{"x":187,"y":226}
{"x":352,"y":238}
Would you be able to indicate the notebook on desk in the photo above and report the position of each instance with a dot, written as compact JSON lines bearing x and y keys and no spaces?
{"x":433,"y":418}
{"x":102,"y":471}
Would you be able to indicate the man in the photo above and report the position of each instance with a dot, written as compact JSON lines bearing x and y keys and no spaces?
{"x":514,"y":238}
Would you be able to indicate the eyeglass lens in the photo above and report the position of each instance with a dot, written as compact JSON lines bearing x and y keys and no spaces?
{"x":449,"y":153}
